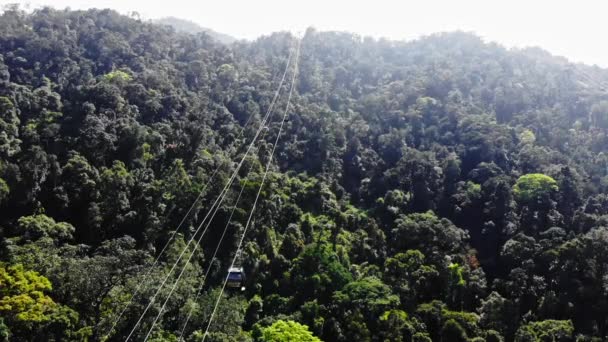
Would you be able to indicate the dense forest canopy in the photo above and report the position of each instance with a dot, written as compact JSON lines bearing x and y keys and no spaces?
{"x":442,"y":189}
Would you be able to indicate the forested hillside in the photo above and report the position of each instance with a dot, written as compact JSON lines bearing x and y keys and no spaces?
{"x":443,"y":189}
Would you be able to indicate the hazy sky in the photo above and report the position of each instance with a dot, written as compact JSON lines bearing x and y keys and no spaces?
{"x":577,"y":30}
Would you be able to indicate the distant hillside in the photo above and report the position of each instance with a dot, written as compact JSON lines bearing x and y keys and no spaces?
{"x":188,"y":26}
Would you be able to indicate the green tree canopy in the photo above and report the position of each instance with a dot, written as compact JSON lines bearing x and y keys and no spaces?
{"x":534,"y":187}
{"x":23,"y":297}
{"x":25,"y":305}
{"x":369,"y":294}
{"x":427,"y":233}
{"x":318,"y":272}
{"x":548,"y":330}
{"x":39,"y":226}
{"x":287,"y":331}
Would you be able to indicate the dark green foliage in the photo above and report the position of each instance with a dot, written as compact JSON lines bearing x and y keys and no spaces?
{"x":411,"y":278}
{"x":442,"y":189}
{"x":435,"y":237}
{"x":4,"y":190}
{"x":318,"y":272}
{"x":368,"y":297}
{"x":452,"y":331}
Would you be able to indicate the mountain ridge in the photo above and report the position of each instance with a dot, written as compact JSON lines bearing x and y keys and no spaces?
{"x":191,"y":27}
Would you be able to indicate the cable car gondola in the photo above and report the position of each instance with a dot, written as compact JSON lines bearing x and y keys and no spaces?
{"x":236,"y":278}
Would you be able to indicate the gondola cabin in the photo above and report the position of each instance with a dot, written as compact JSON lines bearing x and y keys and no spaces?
{"x":236,"y":278}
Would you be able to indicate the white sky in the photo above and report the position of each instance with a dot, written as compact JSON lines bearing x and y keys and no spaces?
{"x":577,"y":29}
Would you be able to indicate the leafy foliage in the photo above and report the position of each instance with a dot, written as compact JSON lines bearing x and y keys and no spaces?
{"x":26,"y":307}
{"x":23,"y":297}
{"x":286,"y":331}
{"x":534,"y":187}
{"x":549,"y":330}
{"x":437,"y":189}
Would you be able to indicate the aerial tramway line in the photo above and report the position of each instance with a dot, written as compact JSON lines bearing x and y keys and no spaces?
{"x":235,"y":278}
{"x":219,"y":298}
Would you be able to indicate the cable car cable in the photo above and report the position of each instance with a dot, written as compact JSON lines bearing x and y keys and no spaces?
{"x":265,"y":130}
{"x":149,"y":271}
{"x":175,"y":284}
{"x":222,"y":195}
{"x":217,"y":248}
{"x":259,"y":191}
{"x":174,"y":232}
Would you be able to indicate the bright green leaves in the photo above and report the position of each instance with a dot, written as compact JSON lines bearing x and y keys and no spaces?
{"x":456,"y":274}
{"x":26,"y":309}
{"x":397,"y":314}
{"x":117,"y":76}
{"x":536,"y":195}
{"x":473,"y":190}
{"x":527,"y":137}
{"x":146,"y":155}
{"x":22,"y":295}
{"x":287,"y":331}
{"x":534,"y":187}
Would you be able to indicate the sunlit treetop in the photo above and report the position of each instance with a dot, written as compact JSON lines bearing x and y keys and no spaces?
{"x":288,"y":331}
{"x":534,"y":187}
